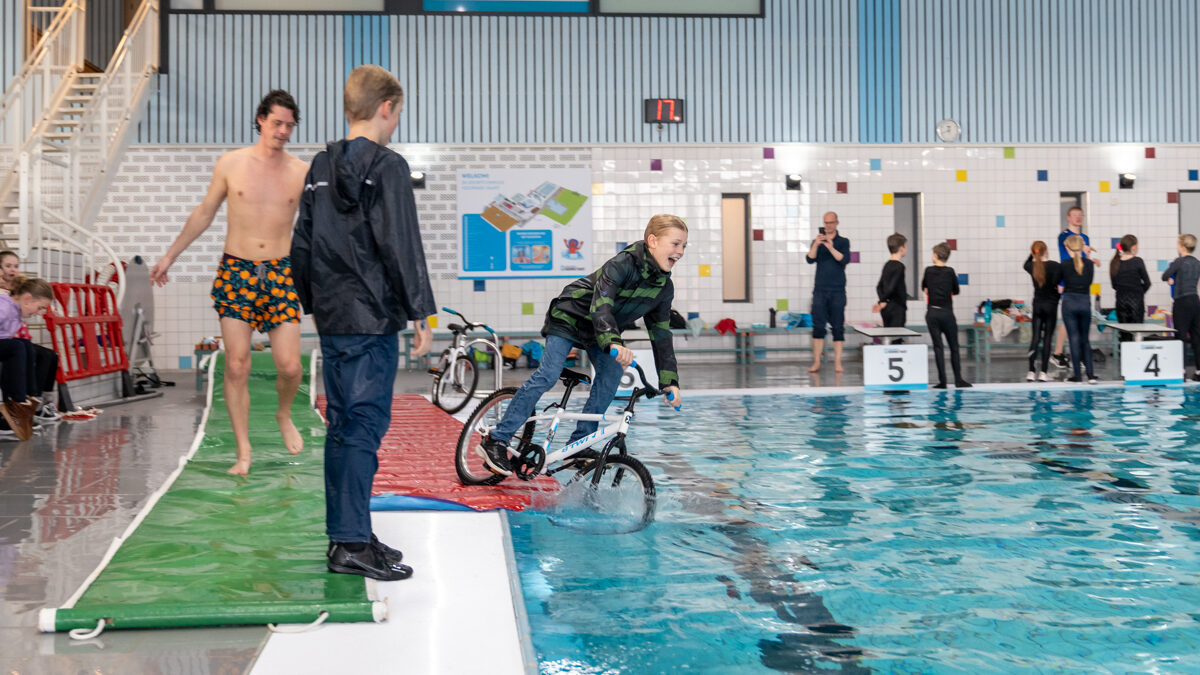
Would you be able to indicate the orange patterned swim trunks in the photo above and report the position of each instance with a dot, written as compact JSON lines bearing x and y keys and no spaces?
{"x":259,"y":292}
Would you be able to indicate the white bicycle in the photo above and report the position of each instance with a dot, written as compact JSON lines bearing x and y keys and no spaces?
{"x":455,"y":376}
{"x":612,"y":469}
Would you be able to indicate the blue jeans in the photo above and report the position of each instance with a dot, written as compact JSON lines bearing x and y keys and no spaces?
{"x":608,"y":377}
{"x":1077,"y":317}
{"x":829,"y":306}
{"x":359,"y":372}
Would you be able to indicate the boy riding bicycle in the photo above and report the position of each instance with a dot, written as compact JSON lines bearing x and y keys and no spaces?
{"x":591,"y":312}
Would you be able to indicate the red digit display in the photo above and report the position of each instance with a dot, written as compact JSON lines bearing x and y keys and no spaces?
{"x":664,"y":111}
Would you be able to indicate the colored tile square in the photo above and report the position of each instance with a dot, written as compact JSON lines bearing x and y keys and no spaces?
{"x":1104,"y":186}
{"x":877,"y":165}
{"x":1193,"y":174}
{"x":960,"y":176}
{"x":1010,"y":153}
{"x":853,"y":256}
{"x":693,"y":315}
{"x":185,"y":363}
{"x":953,"y":244}
{"x":1163,"y":265}
{"x":1150,"y":153}
{"x":999,"y":221}
{"x":781,"y":305}
{"x":706,"y":270}
{"x":656,"y":165}
{"x":758,"y":235}
{"x":1115,"y":241}
{"x":597,"y":188}
{"x":887,"y":198}
{"x":841,"y":187}
{"x":768,"y":153}
{"x":480,"y":286}
{"x":964,"y":279}
{"x":1172,"y":197}
{"x":432,"y":321}
{"x":1151,"y":309}
{"x":621,"y":246}
{"x":527,"y":308}
{"x":1094,"y":289}
{"x":1043,"y":175}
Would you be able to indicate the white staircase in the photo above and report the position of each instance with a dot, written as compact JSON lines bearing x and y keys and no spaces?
{"x":63,"y":133}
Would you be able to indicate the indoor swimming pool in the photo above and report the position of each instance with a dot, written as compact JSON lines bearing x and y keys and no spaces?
{"x":980,"y":531}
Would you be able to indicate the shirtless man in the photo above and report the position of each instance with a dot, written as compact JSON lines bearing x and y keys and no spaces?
{"x":253,"y":288}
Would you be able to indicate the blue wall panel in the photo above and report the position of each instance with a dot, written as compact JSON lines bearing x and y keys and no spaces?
{"x":825,"y":71}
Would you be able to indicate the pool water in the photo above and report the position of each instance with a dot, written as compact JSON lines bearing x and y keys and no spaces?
{"x":962,"y":532}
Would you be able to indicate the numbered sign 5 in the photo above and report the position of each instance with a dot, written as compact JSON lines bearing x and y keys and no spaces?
{"x":895,"y":367}
{"x":1152,"y":363}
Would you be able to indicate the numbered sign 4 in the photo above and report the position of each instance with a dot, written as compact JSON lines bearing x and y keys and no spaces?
{"x":895,"y":367}
{"x":1152,"y":363}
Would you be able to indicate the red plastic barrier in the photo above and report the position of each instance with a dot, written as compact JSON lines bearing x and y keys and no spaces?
{"x":87,"y":335}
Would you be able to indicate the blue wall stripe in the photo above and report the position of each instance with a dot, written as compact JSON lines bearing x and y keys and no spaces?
{"x":549,"y":6}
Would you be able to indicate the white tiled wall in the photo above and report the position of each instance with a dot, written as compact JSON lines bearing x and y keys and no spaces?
{"x":158,"y":186}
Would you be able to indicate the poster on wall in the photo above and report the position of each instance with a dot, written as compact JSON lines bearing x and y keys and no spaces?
{"x":524,"y":223}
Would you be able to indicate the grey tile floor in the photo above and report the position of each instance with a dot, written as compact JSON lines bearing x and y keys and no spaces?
{"x":68,"y":492}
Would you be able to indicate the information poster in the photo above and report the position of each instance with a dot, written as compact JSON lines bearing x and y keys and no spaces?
{"x":524,"y":223}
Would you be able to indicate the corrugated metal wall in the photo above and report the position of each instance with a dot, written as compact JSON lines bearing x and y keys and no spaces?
{"x":105,"y":25}
{"x":827,"y":71}
{"x":514,"y":80}
{"x":10,"y":46}
{"x":1067,"y":71}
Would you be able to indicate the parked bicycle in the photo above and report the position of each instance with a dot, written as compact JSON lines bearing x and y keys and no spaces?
{"x":610,"y":469}
{"x":455,"y":376}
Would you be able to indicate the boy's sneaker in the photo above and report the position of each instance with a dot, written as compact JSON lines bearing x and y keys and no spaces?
{"x":1059,"y":360}
{"x":368,"y":562}
{"x":1092,"y":379}
{"x":495,"y":456}
{"x":1043,"y":377}
{"x":1074,"y":378}
{"x":1031,"y":376}
{"x":1196,"y":376}
{"x":962,"y":384}
{"x":47,"y":413}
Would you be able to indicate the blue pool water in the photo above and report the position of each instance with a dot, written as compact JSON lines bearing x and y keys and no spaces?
{"x":961,"y":532}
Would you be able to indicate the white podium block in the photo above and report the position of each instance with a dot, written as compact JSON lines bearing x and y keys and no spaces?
{"x":895,"y":367}
{"x":630,"y":379}
{"x":1152,"y":363}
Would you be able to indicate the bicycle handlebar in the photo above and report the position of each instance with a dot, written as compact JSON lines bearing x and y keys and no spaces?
{"x":468,"y":322}
{"x":649,"y":391}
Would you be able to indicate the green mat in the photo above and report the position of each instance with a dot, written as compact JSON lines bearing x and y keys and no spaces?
{"x":217,"y":549}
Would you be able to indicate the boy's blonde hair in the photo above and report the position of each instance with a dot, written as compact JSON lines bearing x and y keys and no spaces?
{"x":1188,"y":241}
{"x":366,"y":89}
{"x":663,"y":222}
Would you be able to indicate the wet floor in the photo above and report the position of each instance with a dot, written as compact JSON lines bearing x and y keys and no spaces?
{"x":67,"y":493}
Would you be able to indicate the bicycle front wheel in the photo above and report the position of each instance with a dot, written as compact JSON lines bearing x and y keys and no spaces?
{"x":454,"y":387}
{"x":467,"y":461}
{"x":623,"y":489}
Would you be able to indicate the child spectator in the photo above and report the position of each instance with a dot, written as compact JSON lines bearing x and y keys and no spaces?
{"x":1077,"y":276}
{"x":44,"y":365}
{"x":10,"y":267}
{"x":940,"y":284}
{"x":1046,"y":274}
{"x":892,"y":288}
{"x":359,"y":268}
{"x":29,"y":297}
{"x":1130,"y":281}
{"x":1184,"y":276}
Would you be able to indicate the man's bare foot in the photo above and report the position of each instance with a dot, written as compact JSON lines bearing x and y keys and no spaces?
{"x":837,"y":367}
{"x":292,"y":439}
{"x":816,"y":366}
{"x":240,"y":468}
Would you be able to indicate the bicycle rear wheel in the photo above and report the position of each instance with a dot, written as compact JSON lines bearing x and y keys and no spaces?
{"x":454,"y":387}
{"x":467,"y":461}
{"x":623,"y":488}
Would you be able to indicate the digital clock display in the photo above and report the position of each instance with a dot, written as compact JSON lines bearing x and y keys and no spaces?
{"x":664,"y":110}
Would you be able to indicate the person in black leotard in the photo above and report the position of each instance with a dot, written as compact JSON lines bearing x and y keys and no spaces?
{"x":1077,"y":308}
{"x":940,"y":284}
{"x":1046,"y":277}
{"x":1130,"y":281}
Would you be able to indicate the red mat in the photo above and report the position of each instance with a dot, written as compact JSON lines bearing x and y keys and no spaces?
{"x":416,"y":459}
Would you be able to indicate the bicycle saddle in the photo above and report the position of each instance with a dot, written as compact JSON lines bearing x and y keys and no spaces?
{"x":456,"y":328}
{"x":570,"y":377}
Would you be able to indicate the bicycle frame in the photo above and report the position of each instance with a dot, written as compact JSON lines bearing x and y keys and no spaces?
{"x":617,"y":429}
{"x":459,"y":350}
